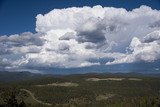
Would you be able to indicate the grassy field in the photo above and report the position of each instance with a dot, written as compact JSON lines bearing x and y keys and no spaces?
{"x":90,"y":90}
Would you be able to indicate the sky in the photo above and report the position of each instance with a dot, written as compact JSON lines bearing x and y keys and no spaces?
{"x":76,"y":35}
{"x":18,"y":16}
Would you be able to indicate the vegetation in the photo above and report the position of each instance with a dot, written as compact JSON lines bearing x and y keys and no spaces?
{"x":13,"y":97}
{"x":109,"y":91}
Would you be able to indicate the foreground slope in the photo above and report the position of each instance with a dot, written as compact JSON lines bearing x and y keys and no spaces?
{"x":90,"y":90}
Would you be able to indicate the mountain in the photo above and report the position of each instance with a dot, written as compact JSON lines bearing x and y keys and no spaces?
{"x":6,"y":76}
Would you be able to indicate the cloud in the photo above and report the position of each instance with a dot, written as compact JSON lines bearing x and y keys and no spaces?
{"x":146,"y":50}
{"x":74,"y":37}
{"x":68,"y":36}
{"x":26,"y":38}
{"x":25,"y":42}
{"x":154,"y":36}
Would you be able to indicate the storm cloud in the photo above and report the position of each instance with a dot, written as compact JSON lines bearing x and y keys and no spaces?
{"x":71,"y":37}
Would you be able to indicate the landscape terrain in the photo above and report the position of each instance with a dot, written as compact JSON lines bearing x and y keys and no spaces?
{"x":79,"y":90}
{"x":79,"y":53}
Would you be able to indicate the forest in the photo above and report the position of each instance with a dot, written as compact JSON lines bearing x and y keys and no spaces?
{"x":80,"y":90}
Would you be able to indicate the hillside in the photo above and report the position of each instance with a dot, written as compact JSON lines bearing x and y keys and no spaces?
{"x":18,"y":76}
{"x":87,"y":90}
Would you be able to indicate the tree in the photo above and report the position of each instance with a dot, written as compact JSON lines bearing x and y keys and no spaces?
{"x":13,"y":97}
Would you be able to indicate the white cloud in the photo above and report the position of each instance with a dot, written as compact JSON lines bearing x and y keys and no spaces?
{"x":71,"y":37}
{"x":153,"y":36}
{"x":148,"y":50}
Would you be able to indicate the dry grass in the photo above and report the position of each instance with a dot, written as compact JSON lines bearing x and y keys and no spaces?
{"x":112,"y":79}
{"x":65,"y":84}
{"x":105,"y":79}
{"x":104,"y":96}
{"x":134,"y":79}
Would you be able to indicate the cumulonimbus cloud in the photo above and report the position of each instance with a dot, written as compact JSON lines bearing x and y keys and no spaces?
{"x":73,"y":36}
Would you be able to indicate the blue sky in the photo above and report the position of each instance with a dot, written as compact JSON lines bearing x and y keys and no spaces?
{"x":17,"y":16}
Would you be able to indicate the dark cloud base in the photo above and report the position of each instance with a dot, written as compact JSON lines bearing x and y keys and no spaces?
{"x":140,"y":67}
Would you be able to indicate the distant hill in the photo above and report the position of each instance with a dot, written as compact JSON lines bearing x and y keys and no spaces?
{"x":139,"y":67}
{"x":6,"y":76}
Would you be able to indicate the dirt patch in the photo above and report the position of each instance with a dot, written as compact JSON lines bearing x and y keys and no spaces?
{"x":65,"y":84}
{"x":74,"y":102}
{"x":105,"y":79}
{"x":104,"y":96}
{"x":135,"y":79}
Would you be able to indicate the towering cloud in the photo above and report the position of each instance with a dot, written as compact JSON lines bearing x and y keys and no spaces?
{"x":74,"y":37}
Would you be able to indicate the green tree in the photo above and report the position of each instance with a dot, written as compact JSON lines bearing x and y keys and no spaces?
{"x":13,"y":97}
